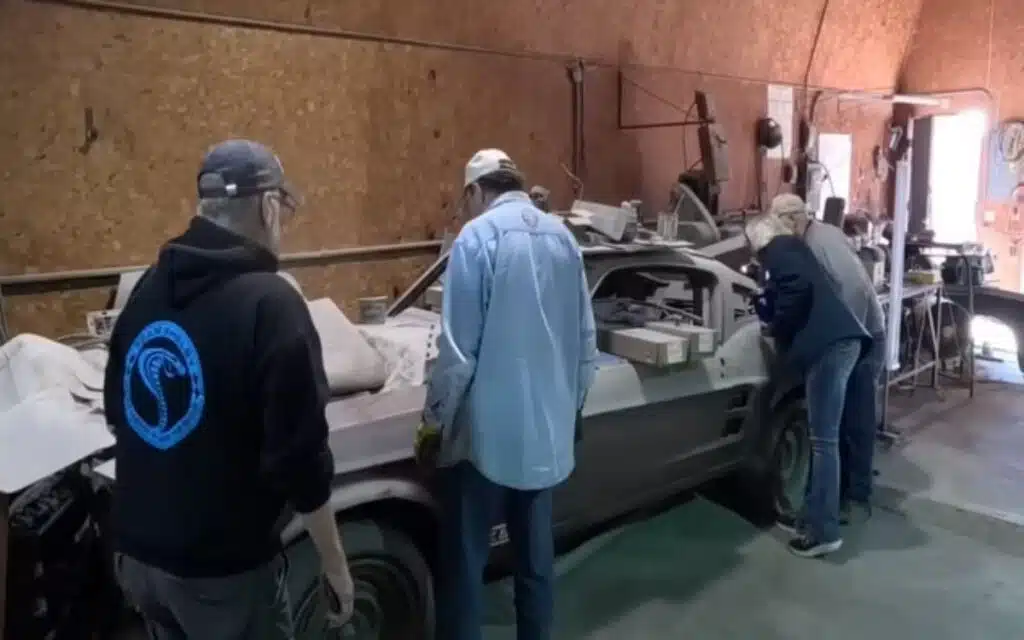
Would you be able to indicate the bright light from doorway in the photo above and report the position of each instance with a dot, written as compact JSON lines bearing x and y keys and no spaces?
{"x":957,"y":143}
{"x":992,"y":334}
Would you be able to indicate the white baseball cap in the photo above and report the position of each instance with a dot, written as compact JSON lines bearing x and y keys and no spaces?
{"x":486,"y":162}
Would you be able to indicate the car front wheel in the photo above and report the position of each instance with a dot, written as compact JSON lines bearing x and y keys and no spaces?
{"x":394,"y":597}
{"x":789,"y":467}
{"x":775,"y":483}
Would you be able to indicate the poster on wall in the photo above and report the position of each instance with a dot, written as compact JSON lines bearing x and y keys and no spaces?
{"x":780,"y":109}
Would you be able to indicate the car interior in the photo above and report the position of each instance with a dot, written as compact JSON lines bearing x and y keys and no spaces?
{"x":637,"y":295}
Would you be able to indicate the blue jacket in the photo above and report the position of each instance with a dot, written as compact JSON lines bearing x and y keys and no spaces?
{"x":808,"y":314}
{"x":517,"y":347}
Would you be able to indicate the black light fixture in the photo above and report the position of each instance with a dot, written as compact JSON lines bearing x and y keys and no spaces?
{"x":769,"y":133}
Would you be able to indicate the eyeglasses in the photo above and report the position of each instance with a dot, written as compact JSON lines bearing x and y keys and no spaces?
{"x":290,"y":201}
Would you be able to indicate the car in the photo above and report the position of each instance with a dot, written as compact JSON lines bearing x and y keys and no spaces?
{"x":647,"y":433}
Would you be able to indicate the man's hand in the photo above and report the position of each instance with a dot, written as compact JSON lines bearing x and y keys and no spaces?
{"x":342,"y":597}
{"x":428,"y":445}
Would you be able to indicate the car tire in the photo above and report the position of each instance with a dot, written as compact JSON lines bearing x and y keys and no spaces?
{"x":394,"y":587}
{"x":779,"y":485}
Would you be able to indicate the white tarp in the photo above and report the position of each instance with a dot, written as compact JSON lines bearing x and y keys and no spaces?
{"x":51,"y":394}
{"x":351,"y":363}
{"x":50,"y":415}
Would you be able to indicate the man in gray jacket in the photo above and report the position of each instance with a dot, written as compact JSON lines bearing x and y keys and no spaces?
{"x":861,"y":414}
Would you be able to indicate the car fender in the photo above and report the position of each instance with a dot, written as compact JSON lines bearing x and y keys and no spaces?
{"x":351,"y":495}
{"x":755,"y":351}
{"x":782,"y":386}
{"x":750,"y":353}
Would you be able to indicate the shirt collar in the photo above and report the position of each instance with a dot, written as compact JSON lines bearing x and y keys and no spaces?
{"x":510,"y":196}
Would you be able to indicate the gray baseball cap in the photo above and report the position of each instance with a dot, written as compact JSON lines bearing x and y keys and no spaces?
{"x":240,"y":168}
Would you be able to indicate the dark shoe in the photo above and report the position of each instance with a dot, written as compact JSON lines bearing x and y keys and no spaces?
{"x":805,"y":547}
{"x":789,"y":523}
{"x":854,"y":512}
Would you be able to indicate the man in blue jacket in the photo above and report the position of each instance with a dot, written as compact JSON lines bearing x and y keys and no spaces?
{"x":821,"y":339}
{"x":516,"y":358}
{"x":862,"y":414}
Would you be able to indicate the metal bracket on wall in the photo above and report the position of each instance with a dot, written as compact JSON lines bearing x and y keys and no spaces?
{"x":576,"y":71}
{"x":652,"y":125}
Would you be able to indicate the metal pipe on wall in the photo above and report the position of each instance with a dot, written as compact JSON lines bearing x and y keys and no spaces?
{"x":82,"y":280}
{"x":201,"y":17}
{"x":576,"y":71}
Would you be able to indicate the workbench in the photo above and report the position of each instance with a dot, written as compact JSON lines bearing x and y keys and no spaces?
{"x":930,"y":324}
{"x":966,"y":290}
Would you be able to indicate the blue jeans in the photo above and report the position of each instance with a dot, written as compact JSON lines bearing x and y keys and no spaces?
{"x":471,"y":505}
{"x":861,"y":416}
{"x":825,"y":388}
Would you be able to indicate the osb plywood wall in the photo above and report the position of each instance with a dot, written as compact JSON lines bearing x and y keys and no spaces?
{"x":976,"y":44}
{"x":376,"y":133}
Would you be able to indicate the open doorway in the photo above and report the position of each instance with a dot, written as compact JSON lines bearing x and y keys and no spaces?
{"x":954,"y":174}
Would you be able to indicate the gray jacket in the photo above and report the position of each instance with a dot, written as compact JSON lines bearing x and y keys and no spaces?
{"x":830,"y":246}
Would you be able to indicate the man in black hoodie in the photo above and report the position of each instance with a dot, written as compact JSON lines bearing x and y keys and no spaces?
{"x":216,"y":390}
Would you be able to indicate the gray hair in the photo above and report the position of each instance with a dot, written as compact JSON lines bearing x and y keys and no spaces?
{"x":791,"y":210}
{"x":763,"y":229}
{"x":230,"y":212}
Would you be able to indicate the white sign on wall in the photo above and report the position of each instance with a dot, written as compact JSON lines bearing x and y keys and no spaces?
{"x":835,"y":153}
{"x":780,"y":109}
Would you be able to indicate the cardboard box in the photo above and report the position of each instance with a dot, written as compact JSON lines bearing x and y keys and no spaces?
{"x":702,"y":341}
{"x":644,"y":345}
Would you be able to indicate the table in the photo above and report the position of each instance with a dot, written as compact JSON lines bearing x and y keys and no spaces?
{"x":963,"y":253}
{"x":930,"y":326}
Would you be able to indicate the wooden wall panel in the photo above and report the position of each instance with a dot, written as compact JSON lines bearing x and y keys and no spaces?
{"x":376,"y":134}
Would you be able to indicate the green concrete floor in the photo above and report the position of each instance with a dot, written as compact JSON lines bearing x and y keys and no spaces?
{"x":700,"y":571}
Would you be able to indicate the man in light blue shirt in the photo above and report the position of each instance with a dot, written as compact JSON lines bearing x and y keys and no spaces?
{"x":516,"y":359}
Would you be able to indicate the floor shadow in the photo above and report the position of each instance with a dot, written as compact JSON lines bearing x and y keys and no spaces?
{"x":867,"y":537}
{"x":669,"y":557}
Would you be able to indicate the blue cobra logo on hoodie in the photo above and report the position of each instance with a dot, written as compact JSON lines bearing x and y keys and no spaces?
{"x":163,"y":354}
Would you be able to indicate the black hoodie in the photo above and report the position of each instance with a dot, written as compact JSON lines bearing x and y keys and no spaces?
{"x":216,"y":390}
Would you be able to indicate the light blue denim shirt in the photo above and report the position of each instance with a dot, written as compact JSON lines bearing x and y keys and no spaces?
{"x":517,"y":347}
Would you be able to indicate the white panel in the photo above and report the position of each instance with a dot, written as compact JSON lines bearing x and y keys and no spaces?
{"x":780,"y":109}
{"x":835,"y":153}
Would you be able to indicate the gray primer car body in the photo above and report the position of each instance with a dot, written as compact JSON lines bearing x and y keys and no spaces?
{"x":647,"y":433}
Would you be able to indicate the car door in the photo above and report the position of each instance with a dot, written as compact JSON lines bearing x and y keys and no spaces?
{"x":649,"y":432}
{"x":647,"y":435}
{"x":608,"y":460}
